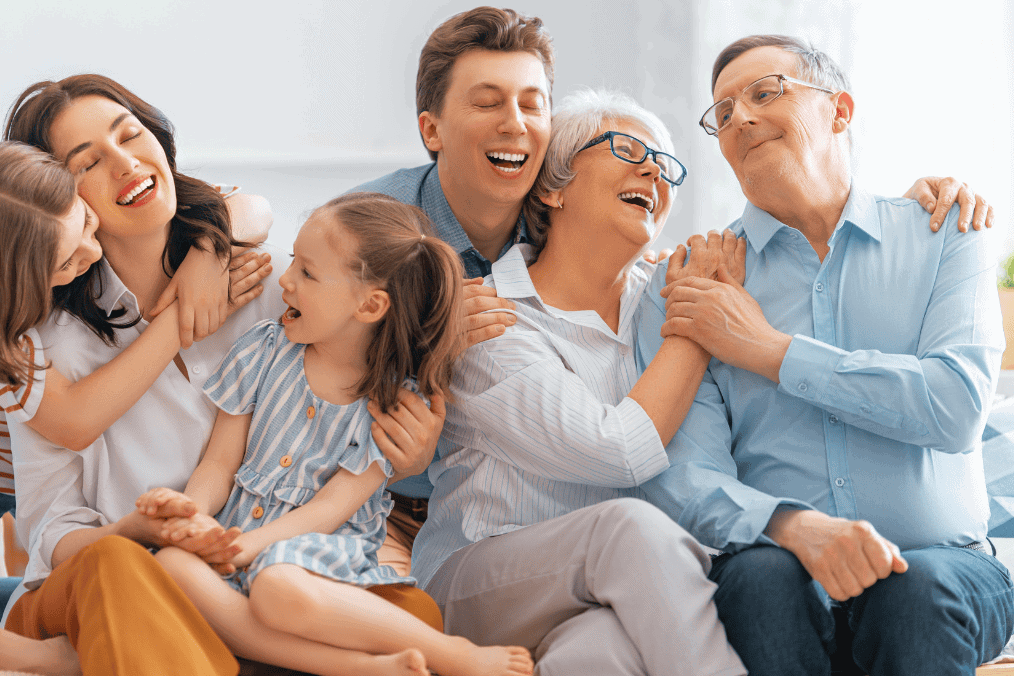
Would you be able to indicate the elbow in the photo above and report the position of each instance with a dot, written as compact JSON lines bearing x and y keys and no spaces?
{"x":74,"y":438}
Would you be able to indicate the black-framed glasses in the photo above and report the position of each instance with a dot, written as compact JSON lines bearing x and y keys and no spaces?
{"x":633,"y":150}
{"x":758,"y":93}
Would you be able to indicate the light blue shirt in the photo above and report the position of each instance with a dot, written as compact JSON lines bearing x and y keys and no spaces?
{"x":540,"y":424}
{"x":883,"y":393}
{"x":420,"y":187}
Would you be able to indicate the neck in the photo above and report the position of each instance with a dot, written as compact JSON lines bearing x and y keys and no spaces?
{"x":488,"y":223}
{"x":137,"y":261}
{"x":812,"y":205}
{"x":333,"y":367}
{"x":583,"y":273}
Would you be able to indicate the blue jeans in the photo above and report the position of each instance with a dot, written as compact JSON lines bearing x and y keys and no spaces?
{"x":7,"y":584}
{"x":951,"y":611}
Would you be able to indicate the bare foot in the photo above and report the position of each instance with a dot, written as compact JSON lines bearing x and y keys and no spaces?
{"x":406,"y":663}
{"x":498,"y":661}
{"x":61,"y":658}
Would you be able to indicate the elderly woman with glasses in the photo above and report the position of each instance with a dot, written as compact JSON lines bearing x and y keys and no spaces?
{"x":552,"y":428}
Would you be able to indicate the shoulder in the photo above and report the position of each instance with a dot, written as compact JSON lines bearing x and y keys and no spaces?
{"x":20,"y":402}
{"x":404,"y":185}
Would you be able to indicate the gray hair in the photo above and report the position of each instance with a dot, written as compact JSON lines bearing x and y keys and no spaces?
{"x":576,"y":121}
{"x":813,"y":65}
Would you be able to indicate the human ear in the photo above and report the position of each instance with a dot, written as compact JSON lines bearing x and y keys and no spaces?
{"x":373,"y":307}
{"x":553,"y":200}
{"x":843,"y":107}
{"x":428,"y":128}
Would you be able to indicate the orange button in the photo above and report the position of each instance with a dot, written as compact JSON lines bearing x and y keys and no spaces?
{"x":310,"y":412}
{"x":285,"y":461}
{"x":258,"y":512}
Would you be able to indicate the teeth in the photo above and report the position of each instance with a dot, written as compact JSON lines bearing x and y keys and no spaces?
{"x":138,"y":189}
{"x":631,"y":195}
{"x":292,"y":313}
{"x":509,"y":157}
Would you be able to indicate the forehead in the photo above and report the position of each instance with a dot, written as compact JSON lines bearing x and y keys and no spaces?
{"x":509,"y":71}
{"x":752,"y":65}
{"x":321,"y":238}
{"x":72,"y":230}
{"x":628,"y":127}
{"x":84,"y":118}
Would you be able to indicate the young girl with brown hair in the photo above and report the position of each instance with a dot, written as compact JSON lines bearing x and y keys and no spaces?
{"x":374,"y":300}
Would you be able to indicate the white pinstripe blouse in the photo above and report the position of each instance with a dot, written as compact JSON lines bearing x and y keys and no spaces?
{"x":541,"y":424}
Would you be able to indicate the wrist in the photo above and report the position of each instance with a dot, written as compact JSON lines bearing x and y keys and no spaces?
{"x":774,"y":348}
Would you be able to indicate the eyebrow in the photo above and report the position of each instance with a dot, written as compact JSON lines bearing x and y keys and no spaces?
{"x":87,"y":144}
{"x":490,"y":85}
{"x":87,"y":220}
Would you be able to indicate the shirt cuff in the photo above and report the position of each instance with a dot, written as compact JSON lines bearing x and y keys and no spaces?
{"x":749,"y":531}
{"x":646,"y":456}
{"x":807,"y":368}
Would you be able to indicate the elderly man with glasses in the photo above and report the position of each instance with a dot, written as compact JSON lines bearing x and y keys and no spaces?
{"x":833,"y":451}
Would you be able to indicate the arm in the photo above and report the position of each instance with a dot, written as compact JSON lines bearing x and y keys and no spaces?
{"x":74,"y":414}
{"x":408,"y":434}
{"x":333,"y":505}
{"x":948,"y":382}
{"x":212,"y":481}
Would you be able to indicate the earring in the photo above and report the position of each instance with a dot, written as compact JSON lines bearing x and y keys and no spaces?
{"x":559,"y":205}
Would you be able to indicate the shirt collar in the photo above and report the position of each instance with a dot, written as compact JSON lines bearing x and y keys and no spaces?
{"x":510,"y":273}
{"x":860,"y":210}
{"x":435,"y":204}
{"x":111,"y":293}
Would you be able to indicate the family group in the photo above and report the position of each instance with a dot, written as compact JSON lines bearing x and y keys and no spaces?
{"x":475,"y":426}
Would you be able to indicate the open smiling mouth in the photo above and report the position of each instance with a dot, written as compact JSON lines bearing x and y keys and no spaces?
{"x":140,"y":191}
{"x":290,"y":315}
{"x":508,"y":163}
{"x":638,"y":200}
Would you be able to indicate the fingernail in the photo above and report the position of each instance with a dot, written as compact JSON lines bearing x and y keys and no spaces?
{"x":931,"y":206}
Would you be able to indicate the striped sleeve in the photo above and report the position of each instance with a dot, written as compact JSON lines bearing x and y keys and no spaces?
{"x":6,"y":467}
{"x":233,"y":386}
{"x":21,"y":402}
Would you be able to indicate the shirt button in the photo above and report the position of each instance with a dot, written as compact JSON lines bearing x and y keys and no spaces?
{"x":624,"y":350}
{"x":285,"y":461}
{"x":802,"y":387}
{"x":819,"y":287}
{"x":258,"y":512}
{"x":197,"y":369}
{"x":834,"y":420}
{"x":839,"y":482}
{"x":310,"y":412}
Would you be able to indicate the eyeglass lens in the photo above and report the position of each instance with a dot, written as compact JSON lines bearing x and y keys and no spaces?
{"x":761,"y":92}
{"x":630,"y":149}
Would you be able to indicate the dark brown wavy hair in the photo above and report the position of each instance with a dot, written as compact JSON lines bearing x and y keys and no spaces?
{"x":36,"y":191}
{"x":422,"y":332}
{"x":201,"y":219}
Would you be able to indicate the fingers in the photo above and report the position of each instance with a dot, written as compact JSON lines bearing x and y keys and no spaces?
{"x":438,"y":407}
{"x":966,"y":199}
{"x":923,"y":191}
{"x":186,"y":325}
{"x":166,"y":299}
{"x":982,"y":211}
{"x":487,"y":325}
{"x":482,"y":299}
{"x":947,"y":192}
{"x":244,"y":298}
{"x":650,"y":256}
{"x":663,"y":254}
{"x":248,"y":270}
{"x":677,"y":326}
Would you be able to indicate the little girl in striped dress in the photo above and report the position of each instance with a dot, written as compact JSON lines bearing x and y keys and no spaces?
{"x":292,"y":468}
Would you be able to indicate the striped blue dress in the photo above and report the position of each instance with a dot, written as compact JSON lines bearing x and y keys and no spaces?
{"x":297,"y":442}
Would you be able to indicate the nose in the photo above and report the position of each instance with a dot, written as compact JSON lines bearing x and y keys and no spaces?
{"x":285,"y":280}
{"x":122,"y":162}
{"x":649,"y":167}
{"x":513,"y":121}
{"x":741,"y":114}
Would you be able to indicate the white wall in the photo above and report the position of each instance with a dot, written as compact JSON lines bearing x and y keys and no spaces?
{"x":301,"y":100}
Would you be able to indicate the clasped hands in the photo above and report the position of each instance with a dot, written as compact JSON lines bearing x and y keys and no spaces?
{"x":175,"y":520}
{"x":706,"y":302}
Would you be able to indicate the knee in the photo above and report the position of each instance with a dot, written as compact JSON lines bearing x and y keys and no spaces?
{"x":277,"y":601}
{"x":633,"y":525}
{"x":116,"y":553}
{"x":920,"y":594}
{"x":762,"y":577}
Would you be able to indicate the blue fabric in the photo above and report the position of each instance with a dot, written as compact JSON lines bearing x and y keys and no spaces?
{"x":884,"y":390}
{"x":420,"y":187}
{"x":7,"y":587}
{"x":951,"y":611}
{"x":998,"y":465}
{"x":7,"y":503}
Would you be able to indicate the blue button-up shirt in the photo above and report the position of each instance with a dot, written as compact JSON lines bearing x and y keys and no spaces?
{"x":420,"y":187}
{"x":883,"y":392}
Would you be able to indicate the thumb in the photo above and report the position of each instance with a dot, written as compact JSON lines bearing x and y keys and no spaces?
{"x":898,"y":564}
{"x":437,"y":405}
{"x":166,"y":299}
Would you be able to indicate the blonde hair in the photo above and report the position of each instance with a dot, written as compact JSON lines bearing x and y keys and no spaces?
{"x":422,"y":332}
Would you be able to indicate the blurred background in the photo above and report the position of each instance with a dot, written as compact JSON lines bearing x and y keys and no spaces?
{"x":299,"y":101}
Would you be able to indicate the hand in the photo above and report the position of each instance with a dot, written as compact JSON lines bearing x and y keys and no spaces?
{"x":844,"y":556}
{"x":162,"y":503}
{"x":652,"y":257}
{"x":725,"y":320}
{"x":479,"y":324}
{"x":707,"y":256}
{"x":246,"y":554}
{"x":204,"y":536}
{"x":201,"y":283}
{"x":936,"y":195}
{"x":246,"y":272}
{"x":408,"y":434}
